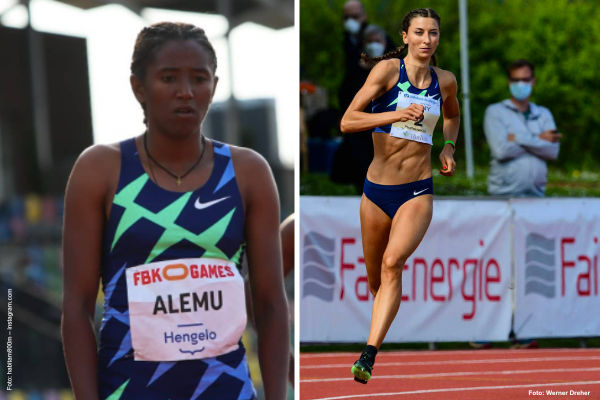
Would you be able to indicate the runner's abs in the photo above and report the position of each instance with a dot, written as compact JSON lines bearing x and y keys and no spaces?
{"x":397,"y":162}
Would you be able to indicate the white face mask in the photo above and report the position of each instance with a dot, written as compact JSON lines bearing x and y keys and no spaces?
{"x":352,"y":26}
{"x":374,"y":49}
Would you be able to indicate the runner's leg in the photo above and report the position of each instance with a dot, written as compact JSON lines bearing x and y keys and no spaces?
{"x":408,"y":228}
{"x":375,"y":229}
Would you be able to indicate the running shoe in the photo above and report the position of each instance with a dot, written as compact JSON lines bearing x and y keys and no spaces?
{"x":362,"y":369}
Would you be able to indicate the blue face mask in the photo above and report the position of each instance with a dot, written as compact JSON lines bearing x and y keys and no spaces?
{"x":520,"y":90}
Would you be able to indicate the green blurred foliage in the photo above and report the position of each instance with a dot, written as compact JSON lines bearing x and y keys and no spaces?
{"x":560,"y":184}
{"x":558,"y":36}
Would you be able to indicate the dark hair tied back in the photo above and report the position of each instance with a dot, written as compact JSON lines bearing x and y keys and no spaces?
{"x":419,"y":12}
{"x":153,"y":37}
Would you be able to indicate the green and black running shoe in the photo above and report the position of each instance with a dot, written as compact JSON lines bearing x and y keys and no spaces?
{"x":362,"y":369}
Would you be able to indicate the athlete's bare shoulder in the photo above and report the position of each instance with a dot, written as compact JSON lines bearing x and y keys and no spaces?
{"x":100,"y":157}
{"x":247,"y":161}
{"x":447,"y":81}
{"x":383,"y":77}
{"x":101,"y":151}
{"x":388,"y":65}
{"x":254,"y":177}
{"x":386,"y":69}
{"x":97,"y":168}
{"x":446,"y":78}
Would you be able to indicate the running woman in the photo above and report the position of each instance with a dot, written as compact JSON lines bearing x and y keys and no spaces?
{"x":407,"y":96}
{"x":163,"y":220}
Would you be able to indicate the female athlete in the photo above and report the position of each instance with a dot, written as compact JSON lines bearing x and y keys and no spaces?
{"x":406,"y":96}
{"x":163,"y":220}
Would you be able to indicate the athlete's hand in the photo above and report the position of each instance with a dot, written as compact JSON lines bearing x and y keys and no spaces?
{"x":414,"y":112}
{"x":447,"y":160}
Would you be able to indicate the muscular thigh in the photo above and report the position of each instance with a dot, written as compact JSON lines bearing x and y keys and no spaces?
{"x":375,"y":229}
{"x":408,"y":227}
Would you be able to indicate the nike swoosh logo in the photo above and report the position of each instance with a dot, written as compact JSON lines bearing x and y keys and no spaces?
{"x":419,"y":192}
{"x":200,"y":206}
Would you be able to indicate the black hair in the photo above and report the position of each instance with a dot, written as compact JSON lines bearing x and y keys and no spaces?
{"x":419,"y":12}
{"x":153,"y":37}
{"x":520,"y":63}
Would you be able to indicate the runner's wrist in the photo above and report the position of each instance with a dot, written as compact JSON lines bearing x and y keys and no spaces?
{"x":451,"y":144}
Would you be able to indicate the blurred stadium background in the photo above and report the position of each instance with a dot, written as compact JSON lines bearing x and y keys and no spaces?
{"x":64,"y":86}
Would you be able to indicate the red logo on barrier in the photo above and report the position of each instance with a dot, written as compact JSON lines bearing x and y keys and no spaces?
{"x":586,"y":279}
{"x":478,"y":277}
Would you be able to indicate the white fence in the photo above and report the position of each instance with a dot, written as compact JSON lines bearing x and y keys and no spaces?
{"x":480,"y":263}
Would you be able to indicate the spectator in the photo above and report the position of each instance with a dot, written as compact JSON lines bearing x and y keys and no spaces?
{"x":375,"y":43}
{"x":522,"y":136}
{"x":355,"y":25}
{"x":358,"y":147}
{"x":355,"y":153}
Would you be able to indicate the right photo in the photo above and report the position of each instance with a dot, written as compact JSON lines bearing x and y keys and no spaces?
{"x":449,"y":216}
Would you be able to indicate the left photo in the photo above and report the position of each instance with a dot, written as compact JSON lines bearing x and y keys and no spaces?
{"x":147,"y":199}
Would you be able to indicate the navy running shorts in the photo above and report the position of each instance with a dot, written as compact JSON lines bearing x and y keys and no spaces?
{"x":390,"y":197}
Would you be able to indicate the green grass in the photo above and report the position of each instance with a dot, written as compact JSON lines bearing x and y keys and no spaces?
{"x":319,"y":184}
{"x":574,"y":183}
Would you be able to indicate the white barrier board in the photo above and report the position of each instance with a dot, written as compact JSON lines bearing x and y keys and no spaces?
{"x":455,"y":285}
{"x":556,"y":264}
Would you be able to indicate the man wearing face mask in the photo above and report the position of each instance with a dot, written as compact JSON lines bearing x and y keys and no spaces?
{"x":355,"y":22}
{"x":355,"y":74}
{"x":522,"y":136}
{"x":356,"y":150}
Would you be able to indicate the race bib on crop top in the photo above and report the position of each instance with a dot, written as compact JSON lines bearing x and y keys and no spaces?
{"x":185,"y":309}
{"x":422,"y":130}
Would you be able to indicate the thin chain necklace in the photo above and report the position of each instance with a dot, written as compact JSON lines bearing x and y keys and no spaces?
{"x":178,"y":178}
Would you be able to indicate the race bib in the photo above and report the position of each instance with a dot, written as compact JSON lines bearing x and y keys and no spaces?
{"x":422,"y":130}
{"x":185,"y":309}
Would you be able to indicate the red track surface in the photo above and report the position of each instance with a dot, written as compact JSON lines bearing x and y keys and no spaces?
{"x":462,"y":374}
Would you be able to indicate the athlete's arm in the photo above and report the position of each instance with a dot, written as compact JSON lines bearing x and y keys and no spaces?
{"x":82,"y":237}
{"x":451,"y":113}
{"x":286,"y":232}
{"x":382,"y":78}
{"x":264,"y":266}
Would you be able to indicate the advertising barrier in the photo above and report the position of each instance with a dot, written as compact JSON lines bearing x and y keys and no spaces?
{"x":458,"y":284}
{"x":455,"y":285}
{"x":556,"y":264}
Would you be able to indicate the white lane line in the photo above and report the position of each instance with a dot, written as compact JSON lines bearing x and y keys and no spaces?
{"x":464,"y":373}
{"x":456,"y":362}
{"x":444,"y":353}
{"x":461,"y":389}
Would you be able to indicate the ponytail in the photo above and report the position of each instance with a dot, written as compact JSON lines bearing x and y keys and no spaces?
{"x":371,"y":61}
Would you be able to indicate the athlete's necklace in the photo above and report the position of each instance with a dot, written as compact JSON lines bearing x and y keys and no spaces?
{"x":178,"y":178}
